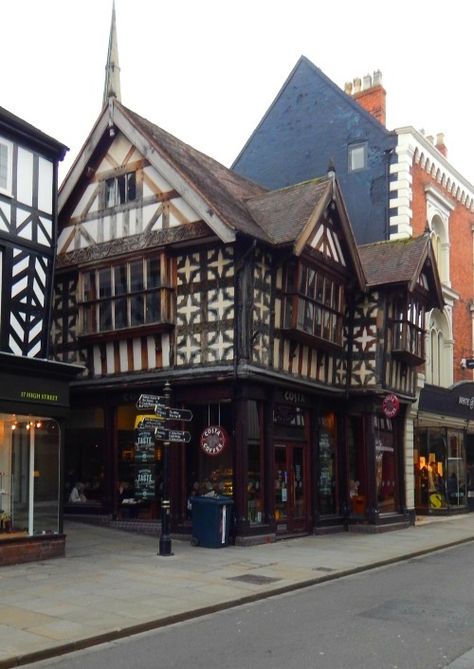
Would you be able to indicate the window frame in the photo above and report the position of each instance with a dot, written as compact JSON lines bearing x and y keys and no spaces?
{"x":351,"y":148}
{"x":118,"y":194}
{"x":99,"y":303}
{"x":324,"y":308}
{"x":7,"y":189}
{"x":408,"y":333}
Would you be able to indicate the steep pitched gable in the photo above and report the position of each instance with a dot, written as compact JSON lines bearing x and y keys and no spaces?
{"x":211,"y":190}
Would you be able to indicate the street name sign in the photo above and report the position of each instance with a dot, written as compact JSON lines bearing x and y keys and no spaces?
{"x":167,"y":413}
{"x":149,"y":423}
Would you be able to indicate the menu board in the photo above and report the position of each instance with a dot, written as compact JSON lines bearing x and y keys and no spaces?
{"x":145,"y":482}
{"x":144,"y":446}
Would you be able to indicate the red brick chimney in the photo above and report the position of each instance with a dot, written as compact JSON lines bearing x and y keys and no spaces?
{"x":370,"y":94}
{"x":440,"y":145}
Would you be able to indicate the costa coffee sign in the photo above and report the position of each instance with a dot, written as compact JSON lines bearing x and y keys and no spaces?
{"x":213,"y":440}
{"x":391,"y":405}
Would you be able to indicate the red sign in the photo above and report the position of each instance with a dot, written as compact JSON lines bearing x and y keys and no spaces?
{"x":391,"y":405}
{"x":213,"y":440}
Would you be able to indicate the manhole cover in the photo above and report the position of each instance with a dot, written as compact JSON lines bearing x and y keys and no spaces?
{"x":254,"y":578}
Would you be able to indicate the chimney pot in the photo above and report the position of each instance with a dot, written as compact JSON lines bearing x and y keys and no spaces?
{"x":430,"y":139}
{"x":366,"y":82}
{"x":377,"y":78}
{"x":440,"y":145}
{"x":348,"y":87}
{"x":357,"y":85}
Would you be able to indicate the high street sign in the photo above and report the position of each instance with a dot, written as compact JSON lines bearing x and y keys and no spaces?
{"x":162,"y":434}
{"x":150,"y":423}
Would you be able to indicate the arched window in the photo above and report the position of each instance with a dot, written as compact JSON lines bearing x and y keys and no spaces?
{"x":439,"y":363}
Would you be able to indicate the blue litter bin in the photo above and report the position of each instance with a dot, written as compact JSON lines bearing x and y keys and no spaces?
{"x":211,"y":518}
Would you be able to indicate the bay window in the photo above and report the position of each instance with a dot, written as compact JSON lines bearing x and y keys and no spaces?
{"x":124,"y":295}
{"x":408,"y":330}
{"x":314,"y":304}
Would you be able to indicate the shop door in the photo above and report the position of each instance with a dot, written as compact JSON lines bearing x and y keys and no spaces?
{"x":290,"y":488}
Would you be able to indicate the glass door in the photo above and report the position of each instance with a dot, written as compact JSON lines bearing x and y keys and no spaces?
{"x":291,"y":513}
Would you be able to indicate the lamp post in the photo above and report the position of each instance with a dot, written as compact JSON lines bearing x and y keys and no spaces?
{"x":165,"y":539}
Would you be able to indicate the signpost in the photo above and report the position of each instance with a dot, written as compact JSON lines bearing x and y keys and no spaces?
{"x":157,"y":424}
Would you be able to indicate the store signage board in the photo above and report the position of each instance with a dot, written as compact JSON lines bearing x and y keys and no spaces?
{"x":162,"y":434}
{"x":148,"y":401}
{"x":144,"y":446}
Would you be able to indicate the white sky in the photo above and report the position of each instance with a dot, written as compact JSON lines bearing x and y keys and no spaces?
{"x":206,"y":70}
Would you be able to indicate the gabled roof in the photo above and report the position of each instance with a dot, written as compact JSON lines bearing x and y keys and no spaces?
{"x":401,"y":262}
{"x":213,"y":190}
{"x":18,"y":127}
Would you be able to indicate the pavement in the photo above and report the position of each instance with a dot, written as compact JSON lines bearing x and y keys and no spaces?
{"x":113,"y":584}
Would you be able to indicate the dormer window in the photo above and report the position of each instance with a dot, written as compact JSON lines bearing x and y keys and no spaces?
{"x":357,"y":156}
{"x":408,"y":333}
{"x":120,"y":190}
{"x":314,"y":305}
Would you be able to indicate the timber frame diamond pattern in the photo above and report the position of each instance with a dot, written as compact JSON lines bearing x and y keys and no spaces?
{"x":273,"y":280}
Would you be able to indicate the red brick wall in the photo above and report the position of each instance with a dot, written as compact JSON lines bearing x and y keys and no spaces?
{"x":461,"y":264}
{"x":373,"y":101}
{"x":31,"y":549}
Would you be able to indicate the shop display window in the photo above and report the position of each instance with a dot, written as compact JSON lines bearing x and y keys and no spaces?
{"x":29,"y":475}
{"x":357,"y":466}
{"x":255,"y":469}
{"x":386,"y":476}
{"x":440,"y":469}
{"x":327,"y":489}
{"x":84,"y":459}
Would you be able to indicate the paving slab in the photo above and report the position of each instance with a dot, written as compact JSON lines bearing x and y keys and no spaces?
{"x":112,"y":583}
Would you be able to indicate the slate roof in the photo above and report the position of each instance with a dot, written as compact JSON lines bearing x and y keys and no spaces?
{"x":223,"y":189}
{"x":284,"y":213}
{"x":395,"y":261}
{"x":21,"y":127}
{"x":400,"y":261}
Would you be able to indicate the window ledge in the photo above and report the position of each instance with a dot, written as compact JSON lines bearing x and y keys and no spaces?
{"x":137,"y":331}
{"x":409,"y":358}
{"x":311,"y":340}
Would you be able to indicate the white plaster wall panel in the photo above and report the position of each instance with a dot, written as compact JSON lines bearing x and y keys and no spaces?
{"x":21,"y":265}
{"x":286,"y":355}
{"x":313,"y":368}
{"x":304,"y":365}
{"x":185,"y":210}
{"x":110,"y":359}
{"x":45,"y":186}
{"x":276,"y":348}
{"x":63,"y":239}
{"x":151,"y":352}
{"x":85,"y":198}
{"x":137,"y":355}
{"x":96,"y":361}
{"x":20,"y":286}
{"x":339,"y":251}
{"x":91,"y":227}
{"x":148,"y":212}
{"x":174,"y":222}
{"x":35,"y":330}
{"x":163,"y":185}
{"x":45,"y":236}
{"x":118,"y":150}
{"x":123,"y":355}
{"x":24,"y":186}
{"x":5,"y":216}
{"x":165,"y":350}
{"x":24,"y":230}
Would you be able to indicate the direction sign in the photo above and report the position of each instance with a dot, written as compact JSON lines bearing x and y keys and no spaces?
{"x":162,"y":434}
{"x":149,"y":423}
{"x":148,"y":401}
{"x":167,"y":413}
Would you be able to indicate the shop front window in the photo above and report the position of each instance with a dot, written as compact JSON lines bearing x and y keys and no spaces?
{"x":440,"y":469}
{"x":254,"y":477}
{"x":357,"y":466}
{"x":29,"y":475}
{"x":385,"y":465}
{"x":327,"y":490}
{"x":456,"y":470}
{"x":84,"y":459}
{"x":140,"y":482}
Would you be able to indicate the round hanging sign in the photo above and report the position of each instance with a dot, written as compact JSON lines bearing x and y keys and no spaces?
{"x":213,"y":440}
{"x":391,"y":405}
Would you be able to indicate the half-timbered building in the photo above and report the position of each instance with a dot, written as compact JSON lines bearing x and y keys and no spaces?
{"x":34,"y":395}
{"x":258,"y":309}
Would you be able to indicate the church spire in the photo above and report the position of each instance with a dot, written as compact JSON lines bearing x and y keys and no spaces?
{"x":112,"y":69}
